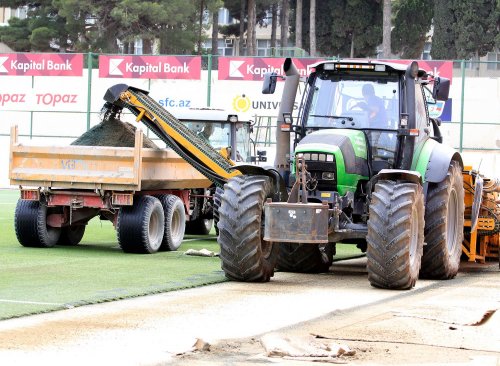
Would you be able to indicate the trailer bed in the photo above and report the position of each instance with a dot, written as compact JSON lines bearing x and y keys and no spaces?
{"x":103,"y":168}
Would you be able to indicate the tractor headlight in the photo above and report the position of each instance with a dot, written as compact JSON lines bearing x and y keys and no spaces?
{"x":328,"y":176}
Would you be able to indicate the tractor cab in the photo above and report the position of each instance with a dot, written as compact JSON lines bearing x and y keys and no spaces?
{"x":357,"y":100}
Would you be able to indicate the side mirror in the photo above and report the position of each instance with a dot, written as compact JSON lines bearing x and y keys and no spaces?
{"x":441,"y":89}
{"x":269,"y":83}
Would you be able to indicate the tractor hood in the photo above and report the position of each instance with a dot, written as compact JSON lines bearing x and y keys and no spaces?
{"x":349,"y":161}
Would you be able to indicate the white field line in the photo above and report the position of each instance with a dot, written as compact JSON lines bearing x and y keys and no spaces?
{"x":30,"y":302}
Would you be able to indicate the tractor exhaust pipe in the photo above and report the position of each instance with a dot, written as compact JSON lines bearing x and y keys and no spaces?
{"x":282,"y":159}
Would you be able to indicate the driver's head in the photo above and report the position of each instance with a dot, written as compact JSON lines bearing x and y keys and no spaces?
{"x":368,"y":90}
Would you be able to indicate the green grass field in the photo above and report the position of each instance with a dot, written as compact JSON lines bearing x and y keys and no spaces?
{"x":34,"y":280}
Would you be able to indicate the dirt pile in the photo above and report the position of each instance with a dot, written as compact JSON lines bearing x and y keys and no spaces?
{"x":112,"y":132}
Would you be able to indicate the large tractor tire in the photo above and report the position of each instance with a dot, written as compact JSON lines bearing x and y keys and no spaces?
{"x":30,"y":221}
{"x":175,"y":222}
{"x":444,"y":222}
{"x":244,"y":255}
{"x":305,"y":258}
{"x":140,"y":227}
{"x":71,"y":235}
{"x":395,"y":235}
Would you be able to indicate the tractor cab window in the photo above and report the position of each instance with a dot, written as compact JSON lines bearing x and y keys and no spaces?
{"x":340,"y":102}
{"x":218,"y":135}
{"x":243,"y":142}
{"x":365,"y":102}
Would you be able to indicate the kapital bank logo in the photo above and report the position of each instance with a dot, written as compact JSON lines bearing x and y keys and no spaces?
{"x":2,"y":67}
{"x":234,"y":68}
{"x":114,"y":64}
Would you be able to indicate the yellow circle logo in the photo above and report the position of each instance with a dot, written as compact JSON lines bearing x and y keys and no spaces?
{"x":241,"y":103}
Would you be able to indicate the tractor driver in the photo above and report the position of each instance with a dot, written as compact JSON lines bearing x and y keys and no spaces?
{"x":373,"y":105}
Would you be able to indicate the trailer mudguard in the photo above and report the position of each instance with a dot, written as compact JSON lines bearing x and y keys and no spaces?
{"x":433,"y":160}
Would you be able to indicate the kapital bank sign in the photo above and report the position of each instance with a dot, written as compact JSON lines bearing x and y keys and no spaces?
{"x":254,"y":68}
{"x":150,"y":67}
{"x":41,"y":64}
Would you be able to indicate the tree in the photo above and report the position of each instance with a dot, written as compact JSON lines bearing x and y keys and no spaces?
{"x":298,"y":24}
{"x":43,"y":19}
{"x":16,"y":35}
{"x":386,"y":34}
{"x":348,"y":27}
{"x":412,"y":22}
{"x":443,"y":38}
{"x":475,"y":28}
{"x":312,"y":28}
{"x":252,"y":20}
{"x":284,"y":21}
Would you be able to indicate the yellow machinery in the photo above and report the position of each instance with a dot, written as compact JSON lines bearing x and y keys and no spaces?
{"x":482,"y":217}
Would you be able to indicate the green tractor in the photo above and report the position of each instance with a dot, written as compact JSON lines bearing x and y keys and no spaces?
{"x":368,"y":167}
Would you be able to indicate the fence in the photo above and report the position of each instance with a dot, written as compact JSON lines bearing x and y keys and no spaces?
{"x":58,"y":109}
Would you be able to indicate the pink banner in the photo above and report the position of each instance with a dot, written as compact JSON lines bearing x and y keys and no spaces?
{"x":150,"y":67}
{"x":254,"y":68}
{"x":436,"y":68}
{"x":41,"y":64}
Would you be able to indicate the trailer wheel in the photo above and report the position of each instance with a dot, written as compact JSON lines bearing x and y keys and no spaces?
{"x":395,"y":235}
{"x":71,"y":235}
{"x":140,"y":227}
{"x":30,"y":220}
{"x":244,"y":255}
{"x":199,"y":226}
{"x":444,"y":222}
{"x":305,"y":258}
{"x":175,"y":222}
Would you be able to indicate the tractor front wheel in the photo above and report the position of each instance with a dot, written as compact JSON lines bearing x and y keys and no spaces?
{"x":244,"y":254}
{"x":395,"y":234}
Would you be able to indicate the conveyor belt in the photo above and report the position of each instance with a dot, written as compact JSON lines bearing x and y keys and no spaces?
{"x":196,"y":151}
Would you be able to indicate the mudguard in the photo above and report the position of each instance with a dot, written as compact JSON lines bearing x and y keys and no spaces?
{"x":434,"y":160}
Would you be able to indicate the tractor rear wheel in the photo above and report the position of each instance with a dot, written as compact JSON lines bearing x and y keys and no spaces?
{"x":444,"y":221}
{"x":140,"y":227}
{"x":244,"y":255}
{"x":395,"y":235}
{"x":305,"y":258}
{"x":30,"y":221}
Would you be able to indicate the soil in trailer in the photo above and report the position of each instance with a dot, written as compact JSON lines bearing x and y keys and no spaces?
{"x":112,"y":132}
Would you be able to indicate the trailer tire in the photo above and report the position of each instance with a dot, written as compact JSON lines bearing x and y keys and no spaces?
{"x":444,"y":222}
{"x":140,"y":227}
{"x":200,"y":226}
{"x":395,"y":235}
{"x":244,"y":255}
{"x":71,"y":235}
{"x":175,"y":222}
{"x":304,"y":258}
{"x":30,"y":220}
